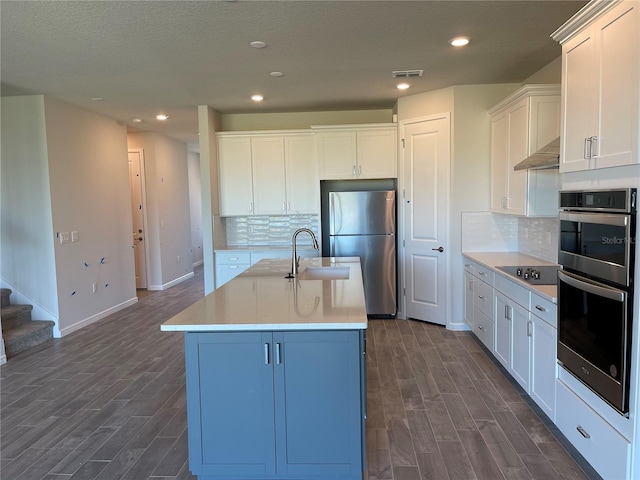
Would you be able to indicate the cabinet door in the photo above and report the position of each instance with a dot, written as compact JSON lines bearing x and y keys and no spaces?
{"x":377,"y":153}
{"x":543,"y":366}
{"x":499,"y":155}
{"x":579,"y":88}
{"x":520,"y":346}
{"x":618,"y":56}
{"x":267,"y":158}
{"x":337,"y":154}
{"x":235,"y":182}
{"x":502,"y":349}
{"x":230,"y":404}
{"x":468,"y":299}
{"x":318,"y":408}
{"x":518,"y":150}
{"x":303,"y":184}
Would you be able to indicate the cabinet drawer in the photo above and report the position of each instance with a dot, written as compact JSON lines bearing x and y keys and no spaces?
{"x":483,"y":273}
{"x":468,"y":265}
{"x":483,"y":328}
{"x":233,"y":258}
{"x":483,"y":298}
{"x":512,"y":290}
{"x":602,"y":446}
{"x":543,"y":308}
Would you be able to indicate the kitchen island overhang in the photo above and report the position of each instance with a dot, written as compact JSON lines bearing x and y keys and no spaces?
{"x":275,"y":373}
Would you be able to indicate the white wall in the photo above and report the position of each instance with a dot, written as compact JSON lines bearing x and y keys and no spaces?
{"x":27,"y":258}
{"x":168,"y":213}
{"x":195,"y":207}
{"x":295,"y":120}
{"x":90,"y":194}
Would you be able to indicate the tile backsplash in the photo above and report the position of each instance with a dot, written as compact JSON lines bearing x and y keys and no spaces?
{"x":488,"y":232}
{"x":491,"y":232}
{"x":269,"y":230}
{"x":539,"y":237}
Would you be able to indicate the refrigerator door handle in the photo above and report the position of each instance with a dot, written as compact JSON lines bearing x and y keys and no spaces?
{"x":332,"y":246}
{"x":335,"y":219}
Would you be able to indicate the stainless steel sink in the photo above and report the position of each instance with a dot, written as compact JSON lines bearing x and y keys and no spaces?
{"x":324,"y":273}
{"x":536,"y":274}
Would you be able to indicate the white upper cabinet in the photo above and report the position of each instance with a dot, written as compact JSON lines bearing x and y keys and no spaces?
{"x":236,"y":180}
{"x":357,"y":151}
{"x":600,"y":75}
{"x":521,"y":124}
{"x":268,"y":174}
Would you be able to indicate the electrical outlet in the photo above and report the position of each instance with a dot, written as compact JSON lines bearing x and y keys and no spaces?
{"x":94,"y":287}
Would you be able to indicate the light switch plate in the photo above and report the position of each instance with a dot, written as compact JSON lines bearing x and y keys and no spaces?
{"x":74,"y":236}
{"x":65,"y":237}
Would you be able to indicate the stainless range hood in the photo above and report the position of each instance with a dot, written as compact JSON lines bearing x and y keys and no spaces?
{"x":547,"y":157}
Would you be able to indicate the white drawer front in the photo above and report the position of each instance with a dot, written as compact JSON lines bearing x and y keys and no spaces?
{"x":483,"y":298}
{"x":483,"y":328}
{"x":603,"y":447}
{"x":483,"y":273}
{"x":543,"y":308}
{"x":468,"y":265}
{"x":512,"y":290}
{"x":233,"y":258}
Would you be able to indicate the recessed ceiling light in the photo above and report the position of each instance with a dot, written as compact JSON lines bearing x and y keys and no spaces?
{"x":136,"y":120}
{"x":459,"y":41}
{"x":258,"y":44}
{"x":276,"y":74}
{"x":162,"y":116}
{"x":403,"y":86}
{"x":257,"y":98}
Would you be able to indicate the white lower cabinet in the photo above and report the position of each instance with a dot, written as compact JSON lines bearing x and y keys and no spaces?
{"x":607,"y":451}
{"x":543,"y":365}
{"x":502,"y":350}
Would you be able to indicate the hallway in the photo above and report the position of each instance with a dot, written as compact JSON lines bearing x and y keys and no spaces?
{"x":108,"y":402}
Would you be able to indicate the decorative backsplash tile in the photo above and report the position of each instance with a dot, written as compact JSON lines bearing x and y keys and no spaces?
{"x":488,"y":232}
{"x":539,"y":237}
{"x":269,"y":230}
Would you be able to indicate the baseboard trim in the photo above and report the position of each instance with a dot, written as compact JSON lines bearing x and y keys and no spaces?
{"x":3,"y":359}
{"x":171,"y":283}
{"x":197,"y":264}
{"x":98,"y":316}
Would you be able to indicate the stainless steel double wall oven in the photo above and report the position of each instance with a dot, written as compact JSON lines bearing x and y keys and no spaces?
{"x":597,"y":247}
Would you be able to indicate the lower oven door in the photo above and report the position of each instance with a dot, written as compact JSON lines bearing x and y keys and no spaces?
{"x":594,"y":336}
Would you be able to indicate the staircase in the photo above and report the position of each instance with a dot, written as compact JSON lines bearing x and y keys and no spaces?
{"x":20,"y":333}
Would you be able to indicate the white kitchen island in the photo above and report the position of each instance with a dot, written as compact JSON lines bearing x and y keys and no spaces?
{"x":275,"y":373}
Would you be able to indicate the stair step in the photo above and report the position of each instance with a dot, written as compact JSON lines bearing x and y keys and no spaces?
{"x":5,"y":293}
{"x":13,"y":315}
{"x":26,"y":336}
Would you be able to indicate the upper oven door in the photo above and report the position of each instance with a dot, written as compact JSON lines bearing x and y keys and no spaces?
{"x":596,"y":244}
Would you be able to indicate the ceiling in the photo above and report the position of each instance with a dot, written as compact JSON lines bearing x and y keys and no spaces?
{"x":147,"y":57}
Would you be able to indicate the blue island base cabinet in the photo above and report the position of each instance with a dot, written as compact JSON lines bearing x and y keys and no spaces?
{"x":276,"y":405}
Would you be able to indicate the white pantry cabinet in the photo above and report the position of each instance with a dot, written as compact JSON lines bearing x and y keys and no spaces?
{"x":600,"y":75}
{"x":267,"y":174}
{"x":357,"y":151}
{"x":521,"y":124}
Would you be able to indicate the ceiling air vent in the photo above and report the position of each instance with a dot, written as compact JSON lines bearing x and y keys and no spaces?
{"x":407,"y":73}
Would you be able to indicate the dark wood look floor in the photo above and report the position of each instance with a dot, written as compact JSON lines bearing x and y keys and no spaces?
{"x":108,"y":402}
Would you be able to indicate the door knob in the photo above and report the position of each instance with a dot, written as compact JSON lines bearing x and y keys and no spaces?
{"x":439,"y":249}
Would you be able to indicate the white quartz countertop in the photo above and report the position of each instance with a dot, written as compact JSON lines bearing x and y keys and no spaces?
{"x":261,"y":298}
{"x":503,"y":259}
{"x":265,"y":248}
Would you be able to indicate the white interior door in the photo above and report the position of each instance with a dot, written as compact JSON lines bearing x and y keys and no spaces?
{"x":136,"y":178}
{"x":426,"y":162}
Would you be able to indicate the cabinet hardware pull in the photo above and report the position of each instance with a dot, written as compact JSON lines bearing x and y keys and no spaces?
{"x":542,"y":309}
{"x":471,"y":286}
{"x":482,"y":274}
{"x":583,"y":432}
{"x":480,"y":327}
{"x":593,"y":147}
{"x":359,"y":170}
{"x":288,"y":206}
{"x":584,"y":149}
{"x":467,"y":265}
{"x":278,"y":359}
{"x":266,"y":354}
{"x":233,"y":258}
{"x":480,"y":297}
{"x":233,"y":266}
{"x":250,"y":206}
{"x":353,"y":171}
{"x":507,"y":312}
{"x":529,"y":332}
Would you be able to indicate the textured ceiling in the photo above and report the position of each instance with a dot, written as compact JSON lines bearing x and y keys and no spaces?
{"x":144,"y":57}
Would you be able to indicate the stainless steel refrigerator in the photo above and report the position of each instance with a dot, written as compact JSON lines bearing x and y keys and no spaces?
{"x":363,"y":224}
